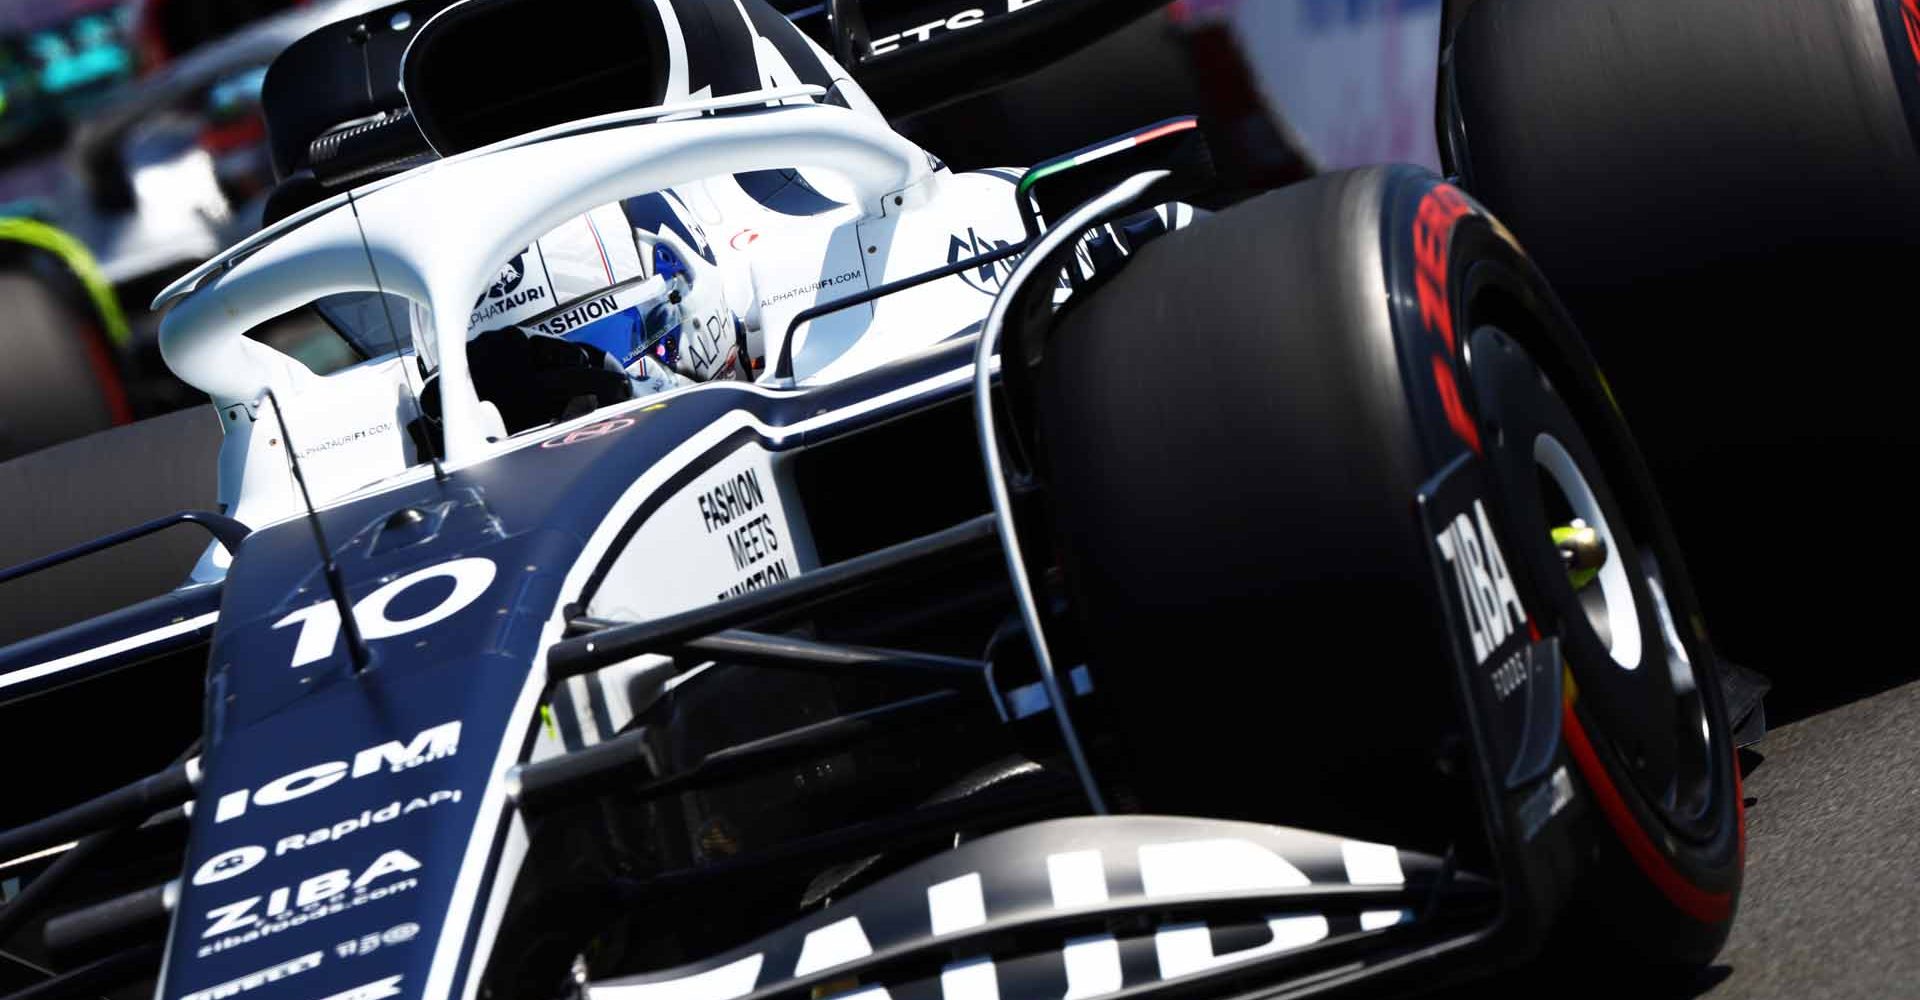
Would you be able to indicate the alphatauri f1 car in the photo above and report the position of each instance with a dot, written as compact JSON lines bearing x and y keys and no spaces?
{"x":754,"y":560}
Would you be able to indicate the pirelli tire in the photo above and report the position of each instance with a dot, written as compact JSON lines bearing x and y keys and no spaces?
{"x":59,"y":380}
{"x":1262,"y":609}
{"x":1625,"y":139}
{"x":1726,"y":193}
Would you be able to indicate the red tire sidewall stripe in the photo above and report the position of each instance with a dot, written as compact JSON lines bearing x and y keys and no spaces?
{"x":113,"y":390}
{"x":1440,"y":209}
{"x":1700,"y":904}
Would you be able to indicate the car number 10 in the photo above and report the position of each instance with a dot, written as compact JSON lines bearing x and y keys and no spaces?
{"x":320,"y":623}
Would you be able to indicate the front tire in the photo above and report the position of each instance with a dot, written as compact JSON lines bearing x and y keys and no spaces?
{"x":1234,"y":432}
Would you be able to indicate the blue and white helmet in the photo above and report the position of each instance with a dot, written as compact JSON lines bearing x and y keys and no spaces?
{"x":636,"y":279}
{"x":639,"y":278}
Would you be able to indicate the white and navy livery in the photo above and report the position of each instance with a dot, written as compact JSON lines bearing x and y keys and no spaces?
{"x":725,"y":675}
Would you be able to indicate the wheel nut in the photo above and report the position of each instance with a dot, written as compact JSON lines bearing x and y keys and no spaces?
{"x":1582,"y":551}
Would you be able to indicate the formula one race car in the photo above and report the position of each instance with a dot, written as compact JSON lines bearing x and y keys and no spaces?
{"x":753,"y":560}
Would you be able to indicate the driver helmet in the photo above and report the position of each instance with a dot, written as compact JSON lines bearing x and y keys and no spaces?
{"x":637,"y":280}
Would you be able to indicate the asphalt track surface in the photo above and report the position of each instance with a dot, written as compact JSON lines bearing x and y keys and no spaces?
{"x":1832,"y":898}
{"x":1831,"y":906}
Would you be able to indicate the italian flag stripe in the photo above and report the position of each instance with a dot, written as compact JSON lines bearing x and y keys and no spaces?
{"x":1064,"y":164}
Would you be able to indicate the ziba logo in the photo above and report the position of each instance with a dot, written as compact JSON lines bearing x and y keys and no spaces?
{"x":429,"y":745}
{"x":310,"y":893}
{"x":1486,"y":588}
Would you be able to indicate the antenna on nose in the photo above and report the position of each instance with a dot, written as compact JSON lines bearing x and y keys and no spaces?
{"x":356,"y":645}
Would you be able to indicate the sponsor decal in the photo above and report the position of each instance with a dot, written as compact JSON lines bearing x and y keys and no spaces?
{"x":506,"y":294}
{"x":740,"y":509}
{"x":511,"y":274}
{"x":1493,"y":607}
{"x":563,"y":323}
{"x":1511,"y":673}
{"x":229,"y":864}
{"x":591,"y":432}
{"x":1077,"y":879}
{"x":320,"y":623}
{"x":707,"y":346}
{"x":723,"y":534}
{"x":744,"y":239}
{"x":1510,"y":670}
{"x":240,"y":860}
{"x":822,"y":284}
{"x":255,"y":980}
{"x":354,"y":824}
{"x":1433,"y":223}
{"x":732,"y":499}
{"x":987,"y":278}
{"x":350,"y":438}
{"x":972,"y":17}
{"x":379,"y":989}
{"x":759,"y":579}
{"x":247,"y":920}
{"x":367,"y":944}
{"x":436,"y":743}
{"x":736,"y":509}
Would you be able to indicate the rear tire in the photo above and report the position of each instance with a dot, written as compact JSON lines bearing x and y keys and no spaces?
{"x":1256,"y":592}
{"x":1727,"y":196}
{"x":1625,"y":139}
{"x":58,"y":378}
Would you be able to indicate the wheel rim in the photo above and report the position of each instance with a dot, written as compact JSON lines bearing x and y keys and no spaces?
{"x":1613,"y":616}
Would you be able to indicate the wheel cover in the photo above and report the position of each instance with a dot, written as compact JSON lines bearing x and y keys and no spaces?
{"x":1637,"y":682}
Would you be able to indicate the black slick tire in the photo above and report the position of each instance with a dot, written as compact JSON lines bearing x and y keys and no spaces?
{"x":1726,"y":194}
{"x":1234,"y":431}
{"x":52,"y":386}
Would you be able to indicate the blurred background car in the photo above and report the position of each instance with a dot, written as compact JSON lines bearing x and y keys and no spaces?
{"x":134,"y":129}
